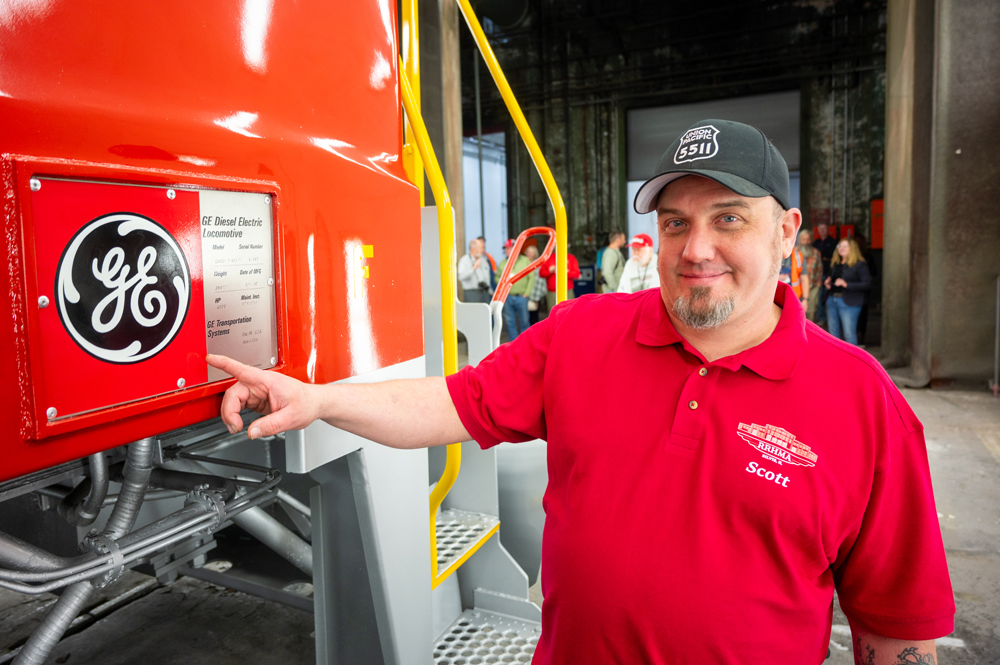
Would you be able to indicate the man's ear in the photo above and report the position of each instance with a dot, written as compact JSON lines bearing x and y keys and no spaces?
{"x":790,"y":223}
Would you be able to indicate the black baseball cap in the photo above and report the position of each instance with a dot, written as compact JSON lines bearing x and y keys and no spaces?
{"x":732,"y":154}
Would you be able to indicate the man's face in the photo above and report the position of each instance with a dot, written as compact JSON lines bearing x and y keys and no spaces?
{"x":618,"y":241}
{"x":476,"y":248}
{"x":823,"y":231}
{"x":720,"y":252}
{"x":805,"y":238}
{"x":531,"y":252}
{"x":506,"y":251}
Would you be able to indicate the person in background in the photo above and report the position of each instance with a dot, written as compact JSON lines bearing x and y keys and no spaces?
{"x":640,"y":271}
{"x":825,"y":244}
{"x":848,"y":282}
{"x":814,"y":270}
{"x":474,"y":273}
{"x":537,"y":295}
{"x":548,"y":271}
{"x":793,"y":272}
{"x":493,"y":264}
{"x":869,"y":258}
{"x":515,"y":308}
{"x":612,"y":263}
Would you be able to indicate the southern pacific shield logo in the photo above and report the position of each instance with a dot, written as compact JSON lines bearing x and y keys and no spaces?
{"x":777,"y":444}
{"x":697,"y":143}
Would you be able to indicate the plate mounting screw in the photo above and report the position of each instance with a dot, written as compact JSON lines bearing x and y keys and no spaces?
{"x":267,"y":199}
{"x":35,"y":184}
{"x":181,"y":382}
{"x":270,"y":281}
{"x":274,"y":361}
{"x":43,"y":302}
{"x":171,"y":194}
{"x":51,"y":412}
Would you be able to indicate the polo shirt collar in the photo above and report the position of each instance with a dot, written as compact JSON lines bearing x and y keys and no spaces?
{"x":775,"y":358}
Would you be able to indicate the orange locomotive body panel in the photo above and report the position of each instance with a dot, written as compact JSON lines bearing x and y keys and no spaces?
{"x":296,"y":101}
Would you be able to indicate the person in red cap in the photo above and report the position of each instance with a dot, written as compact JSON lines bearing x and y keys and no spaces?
{"x":548,"y":272}
{"x":716,"y":522}
{"x":640,"y":271}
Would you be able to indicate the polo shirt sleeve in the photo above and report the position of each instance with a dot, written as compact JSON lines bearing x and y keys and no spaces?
{"x":501,"y":399}
{"x":894,"y":581}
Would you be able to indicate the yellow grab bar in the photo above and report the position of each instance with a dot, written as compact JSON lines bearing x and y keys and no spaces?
{"x":411,"y":57}
{"x":449,"y":294}
{"x":529,"y":140}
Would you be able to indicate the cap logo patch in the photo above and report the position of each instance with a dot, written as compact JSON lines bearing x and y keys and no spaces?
{"x":777,"y":444}
{"x":697,"y":143}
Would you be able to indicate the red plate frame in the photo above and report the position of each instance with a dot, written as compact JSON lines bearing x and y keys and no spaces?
{"x":31,"y":382}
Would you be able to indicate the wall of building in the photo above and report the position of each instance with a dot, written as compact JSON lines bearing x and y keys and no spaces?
{"x":577,"y":69}
{"x":843,"y":144}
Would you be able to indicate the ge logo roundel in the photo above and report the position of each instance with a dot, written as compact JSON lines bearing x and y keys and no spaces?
{"x":123,"y":288}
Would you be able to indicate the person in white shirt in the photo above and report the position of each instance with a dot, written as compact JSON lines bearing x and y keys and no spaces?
{"x":474,"y":273}
{"x":640,"y":270}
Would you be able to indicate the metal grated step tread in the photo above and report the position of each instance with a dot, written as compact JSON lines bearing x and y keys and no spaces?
{"x":459,"y":534}
{"x":478,"y":637}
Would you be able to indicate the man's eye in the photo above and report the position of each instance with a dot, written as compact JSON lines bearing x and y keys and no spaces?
{"x":730,"y":219}
{"x":674,"y":224}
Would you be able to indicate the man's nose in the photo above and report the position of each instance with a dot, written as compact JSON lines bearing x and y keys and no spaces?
{"x":700,"y":245}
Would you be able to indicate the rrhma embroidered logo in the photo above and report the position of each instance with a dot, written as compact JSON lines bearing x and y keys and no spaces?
{"x":777,"y":444}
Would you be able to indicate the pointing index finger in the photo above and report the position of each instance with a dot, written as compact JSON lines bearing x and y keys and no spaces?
{"x":234,"y":368}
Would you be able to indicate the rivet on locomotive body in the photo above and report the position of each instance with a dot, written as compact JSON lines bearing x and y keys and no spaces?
{"x":43,"y":302}
{"x":35,"y":184}
{"x":181,"y":382}
{"x":171,"y":194}
{"x":51,"y":413}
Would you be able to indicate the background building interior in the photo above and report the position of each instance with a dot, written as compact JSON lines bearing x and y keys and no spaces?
{"x":887,"y":113}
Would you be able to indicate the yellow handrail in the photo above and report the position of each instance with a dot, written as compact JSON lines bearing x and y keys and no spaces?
{"x":412,"y":162}
{"x":529,"y":140}
{"x":449,"y":295}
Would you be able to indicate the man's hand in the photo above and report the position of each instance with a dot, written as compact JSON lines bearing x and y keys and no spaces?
{"x":406,"y":413}
{"x":285,"y":402}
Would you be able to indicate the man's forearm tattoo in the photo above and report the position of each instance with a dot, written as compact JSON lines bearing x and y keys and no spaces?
{"x":909,"y":656}
{"x":867,"y":659}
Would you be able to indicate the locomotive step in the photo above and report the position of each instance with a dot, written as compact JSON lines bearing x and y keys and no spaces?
{"x":459,"y":534}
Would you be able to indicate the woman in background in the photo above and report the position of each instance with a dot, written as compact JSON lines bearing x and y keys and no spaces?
{"x":848,"y":282}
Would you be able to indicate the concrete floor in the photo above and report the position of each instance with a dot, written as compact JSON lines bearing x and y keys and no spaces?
{"x":963,"y":446}
{"x":195,"y":622}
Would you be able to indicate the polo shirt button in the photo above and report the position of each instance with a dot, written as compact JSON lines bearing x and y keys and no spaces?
{"x":693,"y":404}
{"x":702,"y":372}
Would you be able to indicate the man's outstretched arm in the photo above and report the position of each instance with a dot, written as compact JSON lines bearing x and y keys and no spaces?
{"x":408,"y":413}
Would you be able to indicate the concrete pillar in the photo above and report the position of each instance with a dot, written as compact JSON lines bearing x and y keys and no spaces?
{"x":451,"y":96}
{"x":964,"y":240}
{"x":953,"y":224}
{"x":431,"y":100}
{"x":900,"y":51}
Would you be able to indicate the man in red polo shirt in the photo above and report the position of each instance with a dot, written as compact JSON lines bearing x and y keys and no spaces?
{"x":713,"y":525}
